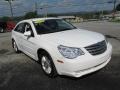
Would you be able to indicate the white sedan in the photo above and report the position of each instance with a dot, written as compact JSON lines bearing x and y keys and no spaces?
{"x":60,"y":47}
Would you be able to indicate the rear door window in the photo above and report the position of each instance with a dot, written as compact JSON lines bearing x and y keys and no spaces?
{"x":20,"y":28}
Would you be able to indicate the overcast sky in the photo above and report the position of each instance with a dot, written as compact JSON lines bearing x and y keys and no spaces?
{"x":22,"y":6}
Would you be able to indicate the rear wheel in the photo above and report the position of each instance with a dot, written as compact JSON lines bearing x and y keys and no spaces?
{"x":1,"y":30}
{"x":47,"y":65}
{"x":15,"y":46}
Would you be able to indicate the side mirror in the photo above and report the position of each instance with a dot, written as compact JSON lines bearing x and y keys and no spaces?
{"x":28,"y":33}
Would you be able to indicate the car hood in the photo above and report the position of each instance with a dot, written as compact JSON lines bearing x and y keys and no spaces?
{"x":73,"y":38}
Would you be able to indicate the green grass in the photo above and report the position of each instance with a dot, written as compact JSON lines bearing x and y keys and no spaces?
{"x":115,"y":20}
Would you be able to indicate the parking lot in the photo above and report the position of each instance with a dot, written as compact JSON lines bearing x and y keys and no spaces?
{"x":19,"y":72}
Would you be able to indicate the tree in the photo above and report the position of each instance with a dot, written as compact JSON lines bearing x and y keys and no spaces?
{"x":5,"y":19}
{"x":30,"y":15}
{"x":118,"y":7}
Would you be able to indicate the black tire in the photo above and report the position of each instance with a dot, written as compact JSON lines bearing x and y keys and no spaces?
{"x":15,"y":47}
{"x":1,"y":30}
{"x":53,"y":72}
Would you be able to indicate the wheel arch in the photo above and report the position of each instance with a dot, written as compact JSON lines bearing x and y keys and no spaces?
{"x":41,"y":50}
{"x":12,"y":41}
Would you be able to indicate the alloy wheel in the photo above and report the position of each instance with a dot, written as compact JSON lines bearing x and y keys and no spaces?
{"x":46,"y":66}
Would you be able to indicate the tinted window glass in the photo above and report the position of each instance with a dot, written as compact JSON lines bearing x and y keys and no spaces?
{"x":52,"y":25}
{"x":20,"y":28}
{"x":29,"y":28}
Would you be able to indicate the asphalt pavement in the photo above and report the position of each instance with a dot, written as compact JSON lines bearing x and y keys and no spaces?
{"x":20,"y":72}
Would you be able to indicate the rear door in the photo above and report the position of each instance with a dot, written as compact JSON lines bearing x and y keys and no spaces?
{"x":29,"y":45}
{"x":18,"y":34}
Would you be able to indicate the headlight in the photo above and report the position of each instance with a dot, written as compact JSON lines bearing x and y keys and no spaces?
{"x":70,"y":52}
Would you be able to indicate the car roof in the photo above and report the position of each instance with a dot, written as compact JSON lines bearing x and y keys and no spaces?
{"x":35,"y":19}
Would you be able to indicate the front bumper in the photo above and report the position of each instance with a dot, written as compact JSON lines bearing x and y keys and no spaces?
{"x":87,"y":71}
{"x":85,"y":64}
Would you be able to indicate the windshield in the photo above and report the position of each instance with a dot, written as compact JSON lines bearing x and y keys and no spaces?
{"x":52,"y":25}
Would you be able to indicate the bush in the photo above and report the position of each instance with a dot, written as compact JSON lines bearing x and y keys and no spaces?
{"x":5,"y":19}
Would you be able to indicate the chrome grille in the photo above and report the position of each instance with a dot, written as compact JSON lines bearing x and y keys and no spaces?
{"x":97,"y":48}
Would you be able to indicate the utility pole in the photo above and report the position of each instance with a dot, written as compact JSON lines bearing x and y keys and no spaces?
{"x":44,"y":7}
{"x":46,"y":14}
{"x":102,"y":12}
{"x":36,"y":7}
{"x":11,"y":9}
{"x":114,"y":8}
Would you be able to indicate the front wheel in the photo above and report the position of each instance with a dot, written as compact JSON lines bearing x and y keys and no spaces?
{"x":47,"y":65}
